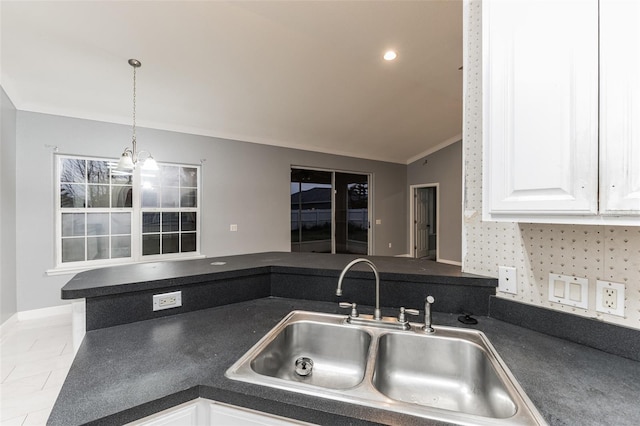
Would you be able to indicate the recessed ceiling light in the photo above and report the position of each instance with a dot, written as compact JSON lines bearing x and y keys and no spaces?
{"x":390,"y":55}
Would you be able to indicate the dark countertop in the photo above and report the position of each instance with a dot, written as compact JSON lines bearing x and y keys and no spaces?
{"x":136,"y":277}
{"x":125,"y":372}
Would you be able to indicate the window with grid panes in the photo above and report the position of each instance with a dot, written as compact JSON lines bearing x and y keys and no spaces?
{"x":169,"y":210}
{"x":106,"y":216}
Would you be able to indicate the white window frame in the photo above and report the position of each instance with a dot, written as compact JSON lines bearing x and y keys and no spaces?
{"x":136,"y":220}
{"x":137,"y":244}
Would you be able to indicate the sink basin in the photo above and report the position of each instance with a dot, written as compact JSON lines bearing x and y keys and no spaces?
{"x":453,"y":375}
{"x":448,"y":373}
{"x":339,"y":354}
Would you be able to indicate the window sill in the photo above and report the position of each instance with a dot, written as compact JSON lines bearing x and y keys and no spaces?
{"x":76,"y":269}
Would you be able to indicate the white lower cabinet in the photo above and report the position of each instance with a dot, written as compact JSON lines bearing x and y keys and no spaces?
{"x":223,"y":415}
{"x":182,"y":415}
{"x":204,"y":412}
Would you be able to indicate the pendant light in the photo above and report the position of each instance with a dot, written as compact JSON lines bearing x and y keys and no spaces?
{"x":130,"y":157}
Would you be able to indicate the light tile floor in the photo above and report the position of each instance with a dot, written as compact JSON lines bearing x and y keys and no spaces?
{"x":35,"y":357}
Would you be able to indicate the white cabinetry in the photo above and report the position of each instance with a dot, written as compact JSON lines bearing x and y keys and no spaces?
{"x":620,"y":106}
{"x":551,"y":145}
{"x":204,"y":412}
{"x":227,"y":415}
{"x":187,"y":414}
{"x":182,"y":415}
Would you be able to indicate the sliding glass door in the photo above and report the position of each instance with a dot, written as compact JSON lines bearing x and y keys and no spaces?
{"x":311,"y":216}
{"x":351,"y":213}
{"x":329,"y":211}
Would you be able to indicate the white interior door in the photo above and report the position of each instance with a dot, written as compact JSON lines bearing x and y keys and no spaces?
{"x":421,"y":222}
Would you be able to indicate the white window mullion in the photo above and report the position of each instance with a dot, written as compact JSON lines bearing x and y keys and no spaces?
{"x":86,"y":238}
{"x":198,"y":208}
{"x":136,"y":218}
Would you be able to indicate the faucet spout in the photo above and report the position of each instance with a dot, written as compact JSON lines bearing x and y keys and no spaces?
{"x":376,"y":314}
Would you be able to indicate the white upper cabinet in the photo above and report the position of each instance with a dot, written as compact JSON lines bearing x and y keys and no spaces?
{"x":620,"y":107}
{"x":545,"y":146}
{"x":541,"y":106}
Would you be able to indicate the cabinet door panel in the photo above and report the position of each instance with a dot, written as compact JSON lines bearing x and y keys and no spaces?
{"x":183,"y":415}
{"x":226,"y":415}
{"x":541,"y":106}
{"x":620,"y":106}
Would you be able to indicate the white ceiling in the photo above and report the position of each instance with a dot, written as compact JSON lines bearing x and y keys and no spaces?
{"x":302,"y":74}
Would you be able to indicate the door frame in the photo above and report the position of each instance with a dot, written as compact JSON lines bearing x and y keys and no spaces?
{"x":412,"y":214}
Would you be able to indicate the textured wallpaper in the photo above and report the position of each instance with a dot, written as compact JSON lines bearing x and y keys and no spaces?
{"x":610,"y":253}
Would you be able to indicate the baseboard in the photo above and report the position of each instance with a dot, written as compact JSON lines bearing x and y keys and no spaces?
{"x":402,"y":255}
{"x":450,"y":262}
{"x":10,"y":323}
{"x":44,"y":312}
{"x":6,"y":326}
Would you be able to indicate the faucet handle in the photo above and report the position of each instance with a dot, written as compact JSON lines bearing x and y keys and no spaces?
{"x":354,"y":311}
{"x":402,"y":317}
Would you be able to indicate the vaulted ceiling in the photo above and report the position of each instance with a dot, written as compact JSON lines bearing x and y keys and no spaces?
{"x":302,"y":74}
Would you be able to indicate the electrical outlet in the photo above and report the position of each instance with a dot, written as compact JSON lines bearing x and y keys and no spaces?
{"x":572,"y":291}
{"x":610,"y":298}
{"x":233,"y":227}
{"x":507,"y":279}
{"x":167,"y":300}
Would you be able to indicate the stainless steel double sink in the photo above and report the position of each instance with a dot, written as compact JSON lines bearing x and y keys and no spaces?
{"x":453,"y":375}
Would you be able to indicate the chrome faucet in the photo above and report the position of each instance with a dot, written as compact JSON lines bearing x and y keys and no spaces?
{"x":376,"y":314}
{"x":427,"y":315}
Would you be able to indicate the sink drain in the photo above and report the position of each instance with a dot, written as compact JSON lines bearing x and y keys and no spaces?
{"x":304,"y":366}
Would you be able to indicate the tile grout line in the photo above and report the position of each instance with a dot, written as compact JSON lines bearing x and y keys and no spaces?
{"x":7,"y":376}
{"x":32,"y":345}
{"x":63,"y":348}
{"x":46,"y":380}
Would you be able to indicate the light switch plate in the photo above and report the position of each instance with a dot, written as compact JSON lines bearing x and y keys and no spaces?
{"x":568,"y":290}
{"x":507,"y":280}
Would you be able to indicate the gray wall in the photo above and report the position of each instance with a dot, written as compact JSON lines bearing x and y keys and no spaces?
{"x":444,"y":167}
{"x":8,"y":290}
{"x":243,"y":183}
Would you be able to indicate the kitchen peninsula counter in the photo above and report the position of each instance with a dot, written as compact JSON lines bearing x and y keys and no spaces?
{"x":140,"y":276}
{"x":134,"y":362}
{"x":123,"y":294}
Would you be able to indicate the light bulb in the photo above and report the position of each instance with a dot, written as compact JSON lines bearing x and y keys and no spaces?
{"x":390,"y":55}
{"x":150,"y":164}
{"x":125,"y":162}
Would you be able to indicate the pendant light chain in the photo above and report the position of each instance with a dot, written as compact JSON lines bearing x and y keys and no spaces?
{"x":130,"y":156}
{"x":134,"y":104}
